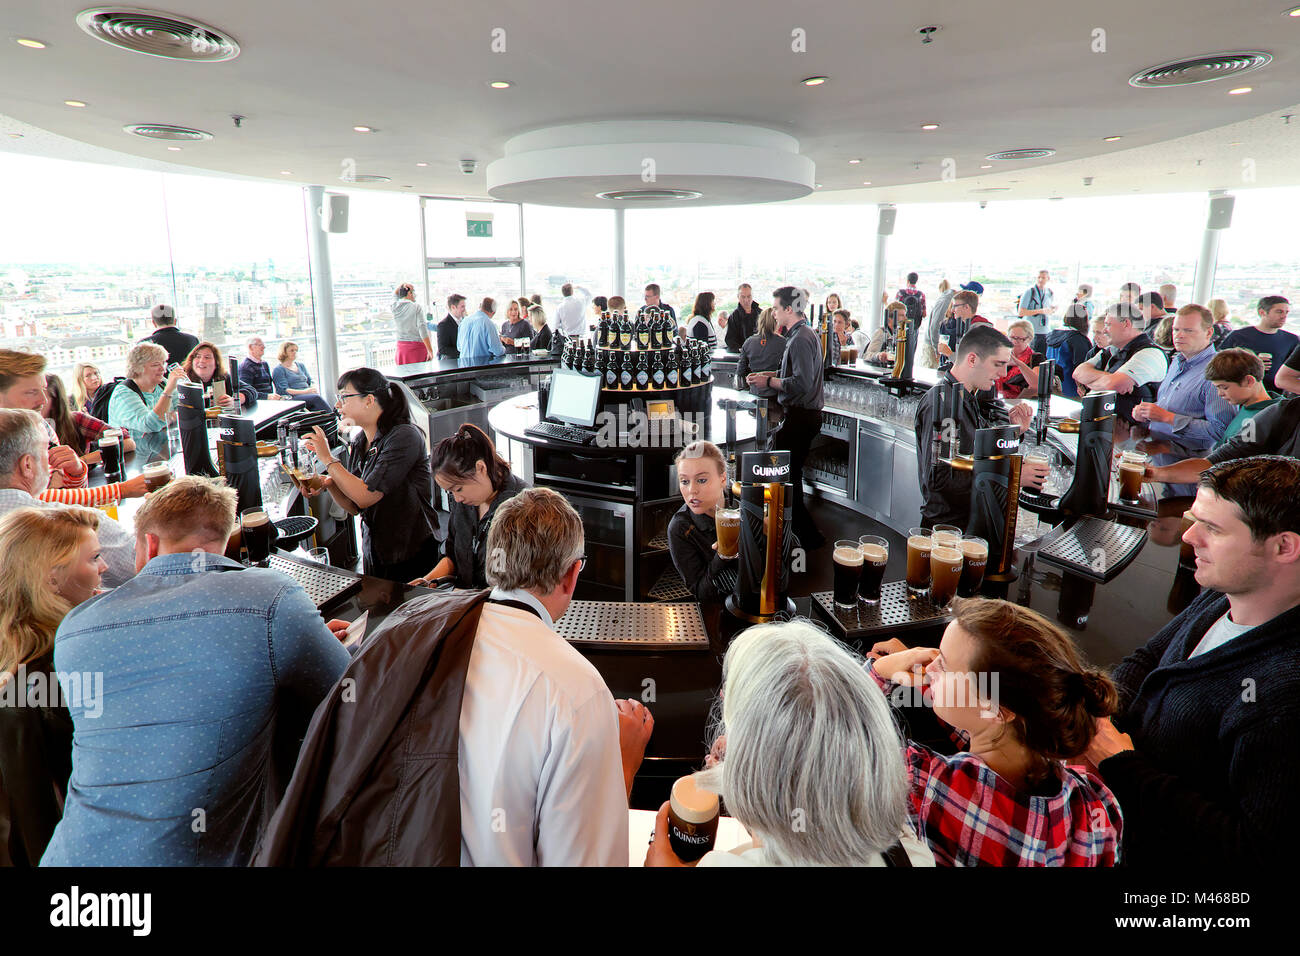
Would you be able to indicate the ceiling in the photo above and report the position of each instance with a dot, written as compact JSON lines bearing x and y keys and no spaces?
{"x":998,"y":75}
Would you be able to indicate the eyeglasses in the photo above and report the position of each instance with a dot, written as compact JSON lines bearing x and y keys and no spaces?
{"x":582,"y":563}
{"x":343,"y":395}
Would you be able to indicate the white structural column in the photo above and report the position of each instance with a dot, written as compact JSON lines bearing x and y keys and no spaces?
{"x":1216,"y":220}
{"x":620,"y":278}
{"x":322,"y":291}
{"x":884,"y":229}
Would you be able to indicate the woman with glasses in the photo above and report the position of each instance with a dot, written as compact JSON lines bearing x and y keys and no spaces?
{"x":1021,"y":380}
{"x":389,"y":485}
{"x":466,"y":465}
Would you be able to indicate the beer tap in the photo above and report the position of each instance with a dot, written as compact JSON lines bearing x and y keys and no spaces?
{"x":1044,"y":417}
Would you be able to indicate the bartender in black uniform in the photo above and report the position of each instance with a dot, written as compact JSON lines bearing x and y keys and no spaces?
{"x":799,"y":389}
{"x":982,"y":357}
{"x":466,"y":465}
{"x":692,"y":531}
{"x":390,"y":486}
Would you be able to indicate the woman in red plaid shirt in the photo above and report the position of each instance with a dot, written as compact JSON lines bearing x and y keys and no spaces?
{"x":1020,"y":703}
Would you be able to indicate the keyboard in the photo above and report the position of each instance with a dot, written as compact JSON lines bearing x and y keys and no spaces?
{"x":556,"y":432}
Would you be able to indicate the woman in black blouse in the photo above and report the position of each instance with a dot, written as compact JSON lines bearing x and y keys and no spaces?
{"x":389,"y":484}
{"x":692,"y":535}
{"x":541,"y":331}
{"x":468,"y":467}
{"x":49,"y":563}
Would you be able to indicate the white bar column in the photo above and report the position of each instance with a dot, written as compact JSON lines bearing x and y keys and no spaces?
{"x":1208,"y":261}
{"x":322,"y":291}
{"x":620,"y":279}
{"x":884,"y":229}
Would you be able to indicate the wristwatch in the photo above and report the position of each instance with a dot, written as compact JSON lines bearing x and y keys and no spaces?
{"x":769,"y":381}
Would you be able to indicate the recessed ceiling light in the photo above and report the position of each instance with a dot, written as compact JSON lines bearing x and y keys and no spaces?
{"x":1113,"y":139}
{"x":1239,"y":90}
{"x":1238,"y":143}
{"x":815,"y":185}
{"x":30,"y":43}
{"x":854,"y":162}
{"x":422,"y":164}
{"x":930,"y":126}
{"x":1293,"y":12}
{"x":77,"y":103}
{"x":814,"y":80}
{"x":867,"y":183}
{"x":363,"y":129}
{"x":285,"y":172}
{"x":174,"y":149}
{"x":500,"y":84}
{"x":15,"y":135}
{"x":986,"y":167}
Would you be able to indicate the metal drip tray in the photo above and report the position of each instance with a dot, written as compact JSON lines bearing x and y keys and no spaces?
{"x":898,"y":610}
{"x":321,"y":583}
{"x":1095,"y":548}
{"x":637,"y":626}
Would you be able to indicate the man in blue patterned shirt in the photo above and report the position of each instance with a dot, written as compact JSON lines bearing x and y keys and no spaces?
{"x":1188,"y":406}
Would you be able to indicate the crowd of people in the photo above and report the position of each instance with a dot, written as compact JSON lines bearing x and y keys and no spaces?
{"x":153,"y":691}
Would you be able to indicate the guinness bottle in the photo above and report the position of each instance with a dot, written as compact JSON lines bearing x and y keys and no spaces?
{"x":673,"y":369}
{"x":688,"y":371}
{"x":697,"y":361}
{"x":658,"y":375}
{"x":642,"y":371}
{"x":589,"y":366}
{"x":707,"y":367}
{"x":643,"y":331}
{"x":609,"y":368}
{"x":625,"y":372}
{"x":604,"y":330}
{"x":625,"y":333}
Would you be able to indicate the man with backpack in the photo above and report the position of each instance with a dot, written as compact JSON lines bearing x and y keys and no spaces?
{"x":913,"y":300}
{"x":1036,"y":305}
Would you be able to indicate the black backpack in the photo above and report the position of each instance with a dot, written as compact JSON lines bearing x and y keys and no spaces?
{"x":912,"y":303}
{"x":99,"y":404}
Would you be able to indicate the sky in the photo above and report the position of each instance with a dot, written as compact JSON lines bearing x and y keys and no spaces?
{"x":60,"y":211}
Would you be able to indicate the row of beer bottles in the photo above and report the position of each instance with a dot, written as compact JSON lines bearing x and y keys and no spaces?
{"x":651,"y":329}
{"x":685,"y":364}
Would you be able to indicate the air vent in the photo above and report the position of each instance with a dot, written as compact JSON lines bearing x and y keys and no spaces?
{"x":1039,"y":152}
{"x":649,"y":195}
{"x":163,"y":131}
{"x":370,"y":178}
{"x":158,"y":34}
{"x":1200,"y":69}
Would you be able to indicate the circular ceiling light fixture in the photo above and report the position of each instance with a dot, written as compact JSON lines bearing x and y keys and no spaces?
{"x":986,"y":167}
{"x":867,"y":183}
{"x":854,"y":162}
{"x":649,"y":195}
{"x":30,"y":43}
{"x":500,"y":84}
{"x":1113,"y":139}
{"x":364,"y":129}
{"x":1239,"y":90}
{"x":1293,"y":12}
{"x":1200,"y":69}
{"x":814,"y":80}
{"x":285,"y":172}
{"x":1007,"y":155}
{"x":165,"y":131}
{"x":422,"y":164}
{"x":174,"y":149}
{"x":76,"y":103}
{"x":930,"y":126}
{"x":156,"y":33}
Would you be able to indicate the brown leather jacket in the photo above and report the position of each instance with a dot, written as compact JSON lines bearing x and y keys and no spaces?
{"x":378,"y":776}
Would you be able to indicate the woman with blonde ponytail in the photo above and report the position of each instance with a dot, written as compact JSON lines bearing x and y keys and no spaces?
{"x":49,"y":563}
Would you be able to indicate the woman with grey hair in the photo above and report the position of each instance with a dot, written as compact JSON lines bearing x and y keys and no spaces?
{"x":141,"y":402}
{"x":813,"y":766}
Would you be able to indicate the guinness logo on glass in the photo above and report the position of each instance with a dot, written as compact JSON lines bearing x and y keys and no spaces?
{"x":1007,"y":444}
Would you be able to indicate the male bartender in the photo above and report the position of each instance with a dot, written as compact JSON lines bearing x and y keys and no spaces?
{"x":982,"y":358}
{"x":799,"y":390}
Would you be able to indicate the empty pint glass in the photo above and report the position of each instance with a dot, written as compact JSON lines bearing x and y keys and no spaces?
{"x":728,"y":524}
{"x":259,"y":534}
{"x":875,"y":555}
{"x":1132,"y":466}
{"x":848,"y":568}
{"x":919,"y":543}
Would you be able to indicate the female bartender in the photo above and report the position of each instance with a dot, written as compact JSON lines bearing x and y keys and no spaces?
{"x":468,"y":467}
{"x":692,"y":535}
{"x":391,"y":490}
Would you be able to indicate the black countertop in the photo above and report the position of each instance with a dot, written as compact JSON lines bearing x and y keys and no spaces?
{"x":467,"y":363}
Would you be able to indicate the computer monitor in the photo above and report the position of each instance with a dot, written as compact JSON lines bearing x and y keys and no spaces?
{"x":573,"y":398}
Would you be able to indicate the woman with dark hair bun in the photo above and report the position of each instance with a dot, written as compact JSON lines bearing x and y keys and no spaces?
{"x":389,"y":486}
{"x":468,"y":467}
{"x":1022,"y":706}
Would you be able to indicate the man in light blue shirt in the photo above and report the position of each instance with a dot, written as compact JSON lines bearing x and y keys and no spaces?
{"x":1036,"y":306}
{"x":192,"y":660}
{"x":1187,"y":405}
{"x":478,"y":335}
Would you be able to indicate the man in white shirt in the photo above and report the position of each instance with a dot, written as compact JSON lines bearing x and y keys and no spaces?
{"x":25,"y":473}
{"x":571,"y":316}
{"x":1133,"y":367}
{"x":543,"y":777}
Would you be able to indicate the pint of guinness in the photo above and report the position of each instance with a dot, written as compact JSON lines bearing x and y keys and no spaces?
{"x":848,"y":568}
{"x":110,"y":452}
{"x":259,"y":534}
{"x":156,"y":474}
{"x":692,"y":820}
{"x":875,"y":555}
{"x":919,"y":543}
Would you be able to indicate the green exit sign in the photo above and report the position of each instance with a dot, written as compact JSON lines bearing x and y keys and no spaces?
{"x":478,"y":225}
